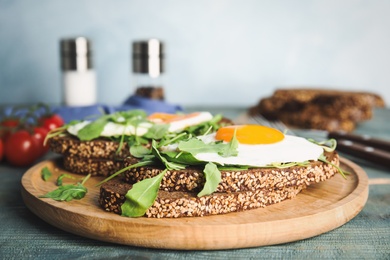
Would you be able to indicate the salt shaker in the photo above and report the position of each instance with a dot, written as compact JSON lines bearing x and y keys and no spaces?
{"x":78,"y":75}
{"x":148,"y":68}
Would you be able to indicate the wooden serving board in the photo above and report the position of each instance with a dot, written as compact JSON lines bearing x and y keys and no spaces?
{"x":318,"y":209}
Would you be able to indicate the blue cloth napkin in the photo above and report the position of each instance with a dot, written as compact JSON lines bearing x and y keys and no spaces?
{"x":69,"y":113}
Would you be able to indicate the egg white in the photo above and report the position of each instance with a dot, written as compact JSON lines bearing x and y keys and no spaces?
{"x":290,"y":149}
{"x":114,"y":129}
{"x":181,"y":124}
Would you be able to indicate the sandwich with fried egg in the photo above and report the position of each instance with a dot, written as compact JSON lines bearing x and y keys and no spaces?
{"x":234,"y":169}
{"x":99,"y":145}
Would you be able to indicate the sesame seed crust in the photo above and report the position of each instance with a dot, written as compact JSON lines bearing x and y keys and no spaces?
{"x":187,"y":204}
{"x":95,"y":167}
{"x":192,"y":178}
{"x":102,"y":148}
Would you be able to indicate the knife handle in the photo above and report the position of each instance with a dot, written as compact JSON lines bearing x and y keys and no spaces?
{"x":363,"y":139}
{"x":365,"y":152}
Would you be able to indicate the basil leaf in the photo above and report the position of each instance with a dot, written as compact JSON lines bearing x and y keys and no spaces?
{"x":213,"y":178}
{"x":141,"y":196}
{"x":92,"y":130}
{"x":67,"y":192}
{"x":46,"y":174}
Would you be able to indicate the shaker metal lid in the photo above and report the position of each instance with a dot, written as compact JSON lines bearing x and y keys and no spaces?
{"x":76,"y":53}
{"x":148,"y":57}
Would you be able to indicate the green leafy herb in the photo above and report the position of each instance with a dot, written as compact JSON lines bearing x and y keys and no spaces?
{"x":139,"y":151}
{"x":68,"y":192}
{"x":141,"y":196}
{"x":157,"y":131}
{"x":287,"y":165}
{"x":213,"y":178}
{"x":181,"y":158}
{"x":168,"y":164}
{"x":92,"y":130}
{"x":62,"y":176}
{"x":195,"y":146}
{"x":328,"y":145}
{"x":231,"y":148}
{"x":139,"y":164}
{"x":46,"y":174}
{"x":341,"y":171}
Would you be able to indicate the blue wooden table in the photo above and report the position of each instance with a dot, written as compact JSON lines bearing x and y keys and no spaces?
{"x":25,"y":236}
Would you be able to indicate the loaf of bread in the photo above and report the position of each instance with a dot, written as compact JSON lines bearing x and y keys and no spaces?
{"x":329,"y":110}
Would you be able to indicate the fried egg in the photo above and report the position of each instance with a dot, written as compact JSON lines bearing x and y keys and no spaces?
{"x":260,"y":146}
{"x":178,"y":122}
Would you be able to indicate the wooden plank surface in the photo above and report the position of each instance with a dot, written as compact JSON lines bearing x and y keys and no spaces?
{"x":319,"y":209}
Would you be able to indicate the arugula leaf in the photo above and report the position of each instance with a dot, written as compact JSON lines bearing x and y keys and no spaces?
{"x":46,"y":174}
{"x":205,"y":127}
{"x":343,"y":173}
{"x":157,"y":131}
{"x":181,"y":157}
{"x":195,"y":146}
{"x":139,"y":151}
{"x":62,"y":176}
{"x":139,"y":164}
{"x":68,"y":192}
{"x":231,"y":148}
{"x":170,"y":165}
{"x":92,"y":130}
{"x":213,"y":178}
{"x":328,"y":145}
{"x":142,"y":196}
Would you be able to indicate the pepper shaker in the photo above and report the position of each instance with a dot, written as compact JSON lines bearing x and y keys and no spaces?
{"x":78,"y":75}
{"x":148,"y":68}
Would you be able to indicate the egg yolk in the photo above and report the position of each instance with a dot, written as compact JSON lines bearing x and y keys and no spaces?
{"x":250,"y":134}
{"x":168,"y":118}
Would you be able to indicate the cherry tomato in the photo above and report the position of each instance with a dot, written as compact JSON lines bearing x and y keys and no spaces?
{"x":10,"y":122}
{"x":51,"y":122}
{"x":40,"y":135}
{"x":21,"y":148}
{"x":7,"y":126}
{"x":1,"y":150}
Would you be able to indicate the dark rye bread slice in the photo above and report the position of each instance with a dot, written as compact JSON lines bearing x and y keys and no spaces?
{"x":93,"y":166}
{"x":102,"y":148}
{"x":186,"y":204}
{"x":192,"y":178}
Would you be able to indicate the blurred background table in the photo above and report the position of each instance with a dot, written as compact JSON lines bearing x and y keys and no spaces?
{"x":25,"y":236}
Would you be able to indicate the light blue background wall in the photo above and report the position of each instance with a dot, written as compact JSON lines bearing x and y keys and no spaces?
{"x":218,"y":52}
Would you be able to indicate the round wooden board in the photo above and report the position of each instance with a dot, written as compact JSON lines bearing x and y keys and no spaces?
{"x":316,"y":210}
